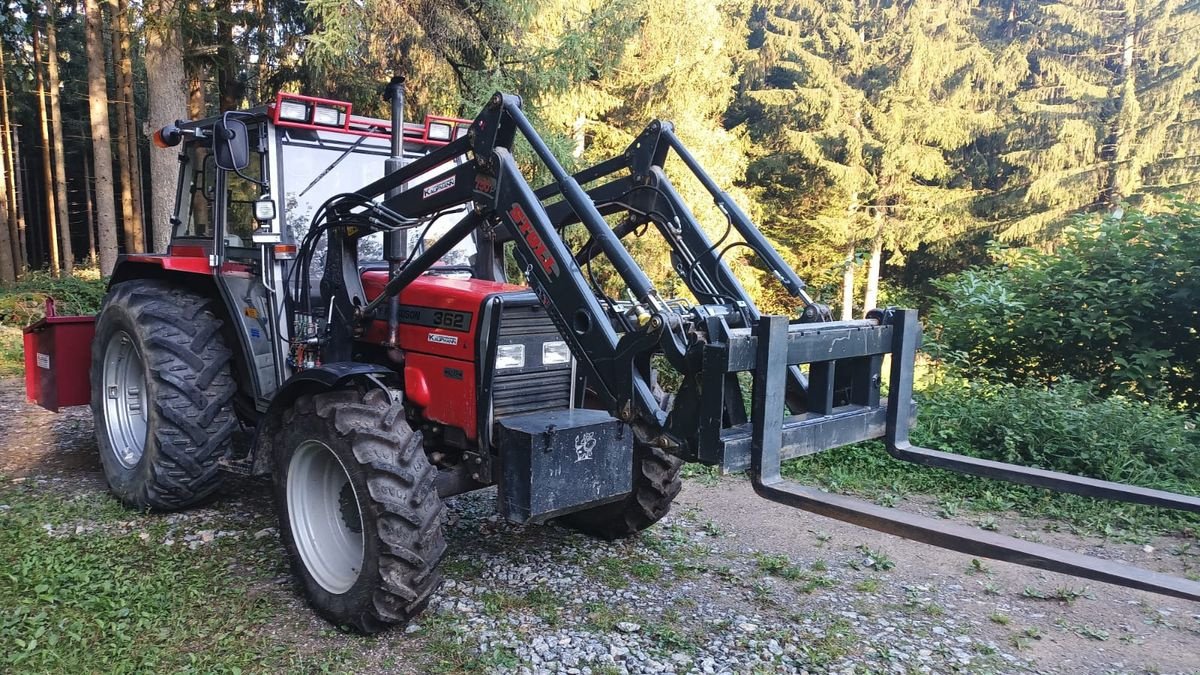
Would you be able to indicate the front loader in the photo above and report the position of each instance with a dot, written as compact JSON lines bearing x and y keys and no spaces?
{"x":440,"y":328}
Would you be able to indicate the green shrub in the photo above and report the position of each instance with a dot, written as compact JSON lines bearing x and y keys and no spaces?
{"x":23,"y":303}
{"x":1116,"y":305}
{"x":1065,"y":428}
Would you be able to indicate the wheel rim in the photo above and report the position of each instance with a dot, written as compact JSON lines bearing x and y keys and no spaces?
{"x":325,"y":517}
{"x":125,"y":406}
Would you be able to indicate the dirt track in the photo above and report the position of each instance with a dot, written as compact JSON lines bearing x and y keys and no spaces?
{"x":734,"y":608}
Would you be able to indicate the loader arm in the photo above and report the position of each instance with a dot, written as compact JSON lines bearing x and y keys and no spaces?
{"x":790,"y":414}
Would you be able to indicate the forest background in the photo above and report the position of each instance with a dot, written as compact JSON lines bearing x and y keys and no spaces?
{"x":869,"y":139}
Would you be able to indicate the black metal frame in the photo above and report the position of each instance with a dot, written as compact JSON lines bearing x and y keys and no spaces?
{"x":838,"y":402}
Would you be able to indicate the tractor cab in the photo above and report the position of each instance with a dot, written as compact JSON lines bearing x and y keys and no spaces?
{"x":240,"y":226}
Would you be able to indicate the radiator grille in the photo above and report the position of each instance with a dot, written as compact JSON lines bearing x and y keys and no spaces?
{"x":534,"y":388}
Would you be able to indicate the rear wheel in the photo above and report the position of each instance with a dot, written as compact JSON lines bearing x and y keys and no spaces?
{"x":358,"y":504}
{"x":161,"y":394}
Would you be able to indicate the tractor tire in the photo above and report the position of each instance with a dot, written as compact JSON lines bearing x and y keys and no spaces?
{"x":358,"y":507}
{"x":656,"y":483}
{"x":162,"y":393}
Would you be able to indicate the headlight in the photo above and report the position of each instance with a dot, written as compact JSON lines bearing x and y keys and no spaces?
{"x":326,"y":116}
{"x":555,"y":352}
{"x":510,"y":356}
{"x":293,"y":111}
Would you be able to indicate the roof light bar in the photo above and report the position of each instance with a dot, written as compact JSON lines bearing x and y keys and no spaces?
{"x":309,"y":112}
{"x":293,"y":111}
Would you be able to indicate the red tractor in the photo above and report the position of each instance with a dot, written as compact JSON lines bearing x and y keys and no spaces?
{"x":397,"y":316}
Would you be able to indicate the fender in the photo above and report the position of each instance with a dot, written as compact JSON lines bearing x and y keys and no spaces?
{"x":312,"y":380}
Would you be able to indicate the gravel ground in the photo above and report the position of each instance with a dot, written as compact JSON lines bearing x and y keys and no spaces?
{"x":728,"y":583}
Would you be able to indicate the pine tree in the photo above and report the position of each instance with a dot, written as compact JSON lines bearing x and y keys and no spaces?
{"x":1107,"y":113}
{"x":42,"y":92}
{"x":858,"y":108}
{"x":8,"y":153}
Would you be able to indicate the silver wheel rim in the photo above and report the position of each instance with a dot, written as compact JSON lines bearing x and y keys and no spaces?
{"x":325,"y":518}
{"x":125,"y":399}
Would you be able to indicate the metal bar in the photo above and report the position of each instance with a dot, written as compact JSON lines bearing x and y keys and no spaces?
{"x":898,"y":446}
{"x":805,"y":434}
{"x":1053,"y":480}
{"x":770,"y":386}
{"x":820,"y":387}
{"x":969,"y":540}
{"x":602,"y":234}
{"x":905,"y":334}
{"x":428,"y":257}
{"x":585,"y":176}
{"x":813,"y":342}
{"x":741,"y":222}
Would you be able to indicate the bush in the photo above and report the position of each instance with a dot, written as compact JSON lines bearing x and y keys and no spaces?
{"x":1066,"y":427}
{"x":1115,"y":305}
{"x":24,"y":302}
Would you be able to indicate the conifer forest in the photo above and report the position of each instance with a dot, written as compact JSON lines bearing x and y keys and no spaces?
{"x":878,"y":143}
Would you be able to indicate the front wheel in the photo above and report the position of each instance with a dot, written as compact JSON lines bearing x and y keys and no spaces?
{"x":359,"y":509}
{"x":656,"y":483}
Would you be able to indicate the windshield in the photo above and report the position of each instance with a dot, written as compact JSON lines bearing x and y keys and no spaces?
{"x":318,"y":165}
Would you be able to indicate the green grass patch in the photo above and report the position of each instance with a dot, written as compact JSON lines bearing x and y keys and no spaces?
{"x":109,"y":600}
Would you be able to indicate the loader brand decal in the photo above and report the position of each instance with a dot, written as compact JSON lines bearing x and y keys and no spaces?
{"x":440,"y":186}
{"x":440,"y":339}
{"x":43,"y":360}
{"x":540,"y":250}
{"x":446,"y":319}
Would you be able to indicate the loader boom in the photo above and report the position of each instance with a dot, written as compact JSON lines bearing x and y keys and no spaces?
{"x":791,"y":414}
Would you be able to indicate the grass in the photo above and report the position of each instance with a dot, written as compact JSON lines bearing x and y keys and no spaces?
{"x":110,"y":600}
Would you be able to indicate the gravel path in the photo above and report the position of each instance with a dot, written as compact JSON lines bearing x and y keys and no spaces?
{"x":728,"y":583}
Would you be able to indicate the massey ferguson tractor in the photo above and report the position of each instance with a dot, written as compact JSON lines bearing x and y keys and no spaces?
{"x":395,"y":315}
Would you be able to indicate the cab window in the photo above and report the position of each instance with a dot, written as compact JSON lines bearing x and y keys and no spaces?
{"x":242,"y":190}
{"x":196,"y":204}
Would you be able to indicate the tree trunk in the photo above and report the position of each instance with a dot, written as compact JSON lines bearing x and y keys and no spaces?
{"x":47,"y":167}
{"x":131,"y":211}
{"x":22,"y":206}
{"x":8,"y":154}
{"x":167,"y":86}
{"x":1122,"y":176}
{"x":89,"y":211}
{"x":8,"y":272}
{"x":196,"y":104}
{"x":129,"y":226}
{"x":106,"y":217}
{"x":848,"y":286}
{"x":263,"y":45}
{"x":871,"y":296}
{"x":229,"y":90}
{"x":60,"y":176}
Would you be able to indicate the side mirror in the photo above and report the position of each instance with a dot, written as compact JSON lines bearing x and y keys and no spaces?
{"x":231,"y":144}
